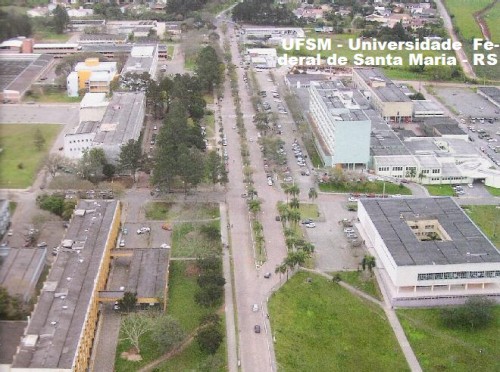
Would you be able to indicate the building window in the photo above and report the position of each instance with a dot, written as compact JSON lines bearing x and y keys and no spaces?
{"x":425,"y":171}
{"x":383,"y":169}
{"x":460,"y":275}
{"x":397,"y":169}
{"x":436,"y":171}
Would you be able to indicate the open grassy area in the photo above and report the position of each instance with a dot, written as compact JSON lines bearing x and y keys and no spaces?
{"x":487,"y":217}
{"x":20,"y":160}
{"x":192,"y":359}
{"x":51,"y":97}
{"x":170,"y":51}
{"x":320,"y":326}
{"x":375,"y":187}
{"x":308,"y":210}
{"x":188,"y":240}
{"x":462,"y":14}
{"x":440,"y":190}
{"x":441,"y":349}
{"x":491,"y":19}
{"x":149,"y":352}
{"x":362,"y":281}
{"x":181,"y":211}
{"x":493,"y":190}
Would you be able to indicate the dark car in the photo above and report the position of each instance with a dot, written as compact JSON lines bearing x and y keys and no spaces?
{"x":256,"y":328}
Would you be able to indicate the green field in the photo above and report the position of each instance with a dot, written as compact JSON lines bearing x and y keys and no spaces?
{"x":361,"y":281}
{"x":487,"y":217}
{"x":441,"y":349}
{"x":181,"y":211}
{"x":461,"y":12}
{"x":188,"y":240}
{"x":20,"y":160}
{"x":376,"y":187}
{"x":320,"y":326}
{"x":440,"y":190}
{"x":51,"y":97}
{"x":491,"y":19}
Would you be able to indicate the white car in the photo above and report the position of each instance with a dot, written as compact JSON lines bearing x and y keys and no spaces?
{"x":470,"y":185}
{"x":310,"y":225}
{"x":122,"y":243}
{"x":352,"y":199}
{"x":255,"y":308}
{"x":270,"y":182}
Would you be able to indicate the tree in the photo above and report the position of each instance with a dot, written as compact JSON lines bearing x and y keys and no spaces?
{"x":91,"y":165}
{"x":10,"y":306}
{"x":38,"y":139}
{"x":476,"y":313}
{"x":52,"y":203}
{"x":209,"y":338}
{"x":130,"y":157}
{"x":55,"y":162}
{"x":13,"y":24}
{"x":294,"y":203}
{"x":209,"y":295}
{"x":215,"y":168}
{"x":108,"y":170}
{"x":61,"y":19}
{"x":313,"y":194}
{"x":294,"y":216}
{"x":368,"y":262}
{"x":209,"y":68}
{"x":281,"y":269}
{"x":254,"y":206}
{"x":128,"y":302}
{"x":133,"y":326}
{"x":166,"y":332}
{"x":191,"y":168}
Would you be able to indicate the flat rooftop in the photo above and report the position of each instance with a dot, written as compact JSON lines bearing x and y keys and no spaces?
{"x":148,"y":272}
{"x":388,"y":93}
{"x":467,"y":243}
{"x":11,"y":332}
{"x":122,"y":120}
{"x":21,"y":270}
{"x":56,"y":324}
{"x":93,"y":100}
{"x":492,"y":92}
{"x":140,"y":60}
{"x":18,"y":71}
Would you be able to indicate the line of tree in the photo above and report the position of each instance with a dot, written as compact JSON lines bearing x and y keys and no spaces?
{"x":13,"y":24}
{"x":264,"y":12}
{"x":57,"y":204}
{"x":210,"y":281}
{"x":11,"y":307}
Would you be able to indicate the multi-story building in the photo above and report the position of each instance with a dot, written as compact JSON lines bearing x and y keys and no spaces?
{"x":428,"y":251}
{"x":341,"y":128}
{"x":142,"y":59}
{"x":385,"y":96}
{"x":92,"y":76}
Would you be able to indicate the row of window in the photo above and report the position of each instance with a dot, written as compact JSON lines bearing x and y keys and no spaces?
{"x":78,"y":148}
{"x":83,"y":140}
{"x":460,"y":275}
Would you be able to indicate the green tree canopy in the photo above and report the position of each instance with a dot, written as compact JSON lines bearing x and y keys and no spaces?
{"x":61,"y":19}
{"x":166,"y":332}
{"x":130,"y":156}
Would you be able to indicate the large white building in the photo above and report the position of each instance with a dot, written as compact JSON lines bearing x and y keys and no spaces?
{"x":93,"y":106}
{"x":92,"y":76}
{"x":121,"y":121}
{"x":142,"y":59}
{"x":428,"y":251}
{"x":341,"y":128}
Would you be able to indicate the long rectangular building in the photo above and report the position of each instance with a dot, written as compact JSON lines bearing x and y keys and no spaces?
{"x":61,"y":329}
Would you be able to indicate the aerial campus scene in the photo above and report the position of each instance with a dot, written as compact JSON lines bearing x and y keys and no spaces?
{"x":254,"y":185}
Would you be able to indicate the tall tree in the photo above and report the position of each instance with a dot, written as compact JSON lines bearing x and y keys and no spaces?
{"x":38,"y":139}
{"x":313,"y":194}
{"x":130,"y":156}
{"x":209,"y":68}
{"x":91,"y":165}
{"x":13,"y":24}
{"x":61,"y":19}
{"x":166,"y":332}
{"x":54,"y":162}
{"x":134,"y":326}
{"x":209,"y":338}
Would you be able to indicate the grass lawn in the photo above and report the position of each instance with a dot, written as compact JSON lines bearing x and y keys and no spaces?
{"x":50,"y":97}
{"x":189,"y":241}
{"x":16,"y":141}
{"x":487,"y":217}
{"x":441,"y":349}
{"x":462,"y":12}
{"x":12,"y":207}
{"x":493,"y":190}
{"x":181,"y":211}
{"x":209,"y":98}
{"x":375,"y":187}
{"x":320,"y":326}
{"x":309,"y":211}
{"x":149,"y":352}
{"x":313,"y":153}
{"x":440,"y":190}
{"x":48,"y":35}
{"x":491,"y":19}
{"x":209,"y":122}
{"x":170,"y":51}
{"x":192,"y":358}
{"x":361,"y":281}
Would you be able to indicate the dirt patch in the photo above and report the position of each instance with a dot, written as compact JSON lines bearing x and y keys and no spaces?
{"x":192,"y":270}
{"x":131,"y":355}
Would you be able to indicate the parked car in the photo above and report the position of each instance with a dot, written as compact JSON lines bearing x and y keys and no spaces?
{"x":122,"y":243}
{"x":256,"y":328}
{"x":41,"y":245}
{"x":267,"y":275}
{"x":255,"y":308}
{"x":143,"y":230}
{"x":311,"y":225}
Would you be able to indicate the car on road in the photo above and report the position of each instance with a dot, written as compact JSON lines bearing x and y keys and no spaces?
{"x":122,"y":243}
{"x":269,"y":182}
{"x":255,"y":308}
{"x":256,"y":328}
{"x":267,"y":275}
{"x":352,"y":199}
{"x":306,"y":221}
{"x":10,"y":233}
{"x":41,"y":245}
{"x":348,"y":230}
{"x":310,"y":225}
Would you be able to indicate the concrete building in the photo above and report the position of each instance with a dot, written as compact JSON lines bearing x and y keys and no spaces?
{"x":122,"y":122}
{"x":385,"y":96}
{"x":341,"y":128}
{"x":426,"y":108}
{"x":428,"y":252}
{"x":93,"y":106}
{"x":61,"y":329}
{"x":103,"y":39}
{"x":272,"y":35}
{"x":142,"y":59}
{"x":81,"y":139}
{"x":92,"y":76}
{"x":492,"y":94}
{"x":262,"y":57}
{"x":4,"y":216}
{"x":21,"y":270}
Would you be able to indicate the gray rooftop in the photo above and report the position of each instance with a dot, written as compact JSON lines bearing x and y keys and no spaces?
{"x":64,"y":303}
{"x":388,"y":93}
{"x":467,"y":245}
{"x":122,"y":120}
{"x":87,"y":127}
{"x":383,"y":140}
{"x":18,"y":71}
{"x":148,"y":272}
{"x":491,"y":92}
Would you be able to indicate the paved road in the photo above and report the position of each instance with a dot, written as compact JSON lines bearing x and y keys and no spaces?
{"x":461,"y":56}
